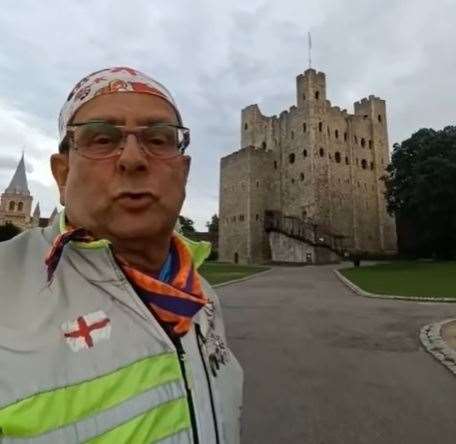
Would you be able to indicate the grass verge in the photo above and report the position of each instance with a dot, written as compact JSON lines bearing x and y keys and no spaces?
{"x":218,"y":272}
{"x":406,"y":278}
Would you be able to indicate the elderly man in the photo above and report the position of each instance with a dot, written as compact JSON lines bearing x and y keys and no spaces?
{"x":108,"y":334}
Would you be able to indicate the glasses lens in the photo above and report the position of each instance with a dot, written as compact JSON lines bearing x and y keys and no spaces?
{"x":161,"y":140}
{"x":98,"y":139}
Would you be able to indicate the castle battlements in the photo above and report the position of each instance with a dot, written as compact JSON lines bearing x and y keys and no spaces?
{"x":314,"y":161}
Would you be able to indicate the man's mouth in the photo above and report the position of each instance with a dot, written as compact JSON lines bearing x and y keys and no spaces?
{"x":135,"y":200}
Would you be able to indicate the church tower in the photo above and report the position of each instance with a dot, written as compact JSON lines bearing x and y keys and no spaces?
{"x":16,"y":201}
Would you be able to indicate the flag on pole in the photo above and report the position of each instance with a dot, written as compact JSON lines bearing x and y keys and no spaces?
{"x":310,"y":49}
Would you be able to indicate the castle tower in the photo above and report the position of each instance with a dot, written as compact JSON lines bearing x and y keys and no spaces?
{"x":314,"y":165}
{"x":16,"y":201}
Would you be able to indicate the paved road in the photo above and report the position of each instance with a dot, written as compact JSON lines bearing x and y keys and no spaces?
{"x":325,"y":366}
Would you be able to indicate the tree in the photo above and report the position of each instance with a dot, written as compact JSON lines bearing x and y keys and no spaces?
{"x":213,"y":225}
{"x":421,"y":189}
{"x":8,"y":231}
{"x":186,"y":225}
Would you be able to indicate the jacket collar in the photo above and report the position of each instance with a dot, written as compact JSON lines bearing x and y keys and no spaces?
{"x":198,"y":250}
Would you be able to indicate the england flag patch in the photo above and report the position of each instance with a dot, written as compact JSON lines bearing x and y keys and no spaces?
{"x":87,"y":330}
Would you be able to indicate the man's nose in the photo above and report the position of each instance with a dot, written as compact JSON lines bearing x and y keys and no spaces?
{"x":133,"y":158}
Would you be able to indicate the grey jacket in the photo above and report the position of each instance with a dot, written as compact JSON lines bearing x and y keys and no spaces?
{"x":83,"y":360}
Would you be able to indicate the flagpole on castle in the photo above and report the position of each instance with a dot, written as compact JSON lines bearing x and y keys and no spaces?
{"x":309,"y":40}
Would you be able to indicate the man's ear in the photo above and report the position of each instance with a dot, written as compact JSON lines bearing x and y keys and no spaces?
{"x":60,"y":168}
{"x":187,"y":163}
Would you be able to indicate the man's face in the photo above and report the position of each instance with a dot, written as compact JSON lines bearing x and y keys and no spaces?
{"x":131,"y":196}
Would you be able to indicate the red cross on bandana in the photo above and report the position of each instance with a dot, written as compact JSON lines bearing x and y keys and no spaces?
{"x":87,"y":330}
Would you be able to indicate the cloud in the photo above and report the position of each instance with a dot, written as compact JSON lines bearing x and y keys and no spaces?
{"x":217,"y":58}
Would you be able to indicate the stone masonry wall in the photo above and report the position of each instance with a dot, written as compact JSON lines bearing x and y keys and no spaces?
{"x":314,"y":161}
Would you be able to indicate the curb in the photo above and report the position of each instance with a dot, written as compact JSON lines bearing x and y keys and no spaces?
{"x":235,"y":281}
{"x":361,"y":292}
{"x":434,"y":344}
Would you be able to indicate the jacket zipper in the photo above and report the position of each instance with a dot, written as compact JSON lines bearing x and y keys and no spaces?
{"x":199,"y":338}
{"x":181,"y":354}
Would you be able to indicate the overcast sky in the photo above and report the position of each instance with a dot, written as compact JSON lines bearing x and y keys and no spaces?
{"x":216,"y":58}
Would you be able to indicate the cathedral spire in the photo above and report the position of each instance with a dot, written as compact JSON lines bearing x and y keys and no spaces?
{"x":18,"y":184}
{"x":37,"y":211}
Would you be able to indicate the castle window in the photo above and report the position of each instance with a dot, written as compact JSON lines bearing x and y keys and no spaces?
{"x":317,"y":94}
{"x":258,"y":184}
{"x":291,"y":158}
{"x":263,"y":145}
{"x":303,"y":96}
{"x":379,"y":117}
{"x":337,"y":157}
{"x":320,"y":126}
{"x":346,"y":161}
{"x":12,"y":206}
{"x":345,"y":136}
{"x":292,"y":180}
{"x":364,"y":164}
{"x":301,"y":176}
{"x":371,"y":144}
{"x":292,"y":134}
{"x":20,"y":206}
{"x":257,"y":217}
{"x":275,"y":164}
{"x":336,"y":133}
{"x":363,"y":142}
{"x":304,"y":153}
{"x":372,"y":165}
{"x":246,"y":126}
{"x":321,"y":152}
{"x":304,"y":127}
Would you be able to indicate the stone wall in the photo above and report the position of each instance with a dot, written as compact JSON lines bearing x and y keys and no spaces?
{"x":314,"y":161}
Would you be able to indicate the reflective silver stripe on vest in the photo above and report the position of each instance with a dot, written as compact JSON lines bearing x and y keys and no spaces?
{"x":98,"y":424}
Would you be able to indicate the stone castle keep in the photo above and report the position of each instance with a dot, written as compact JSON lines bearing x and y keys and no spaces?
{"x":305,"y":185}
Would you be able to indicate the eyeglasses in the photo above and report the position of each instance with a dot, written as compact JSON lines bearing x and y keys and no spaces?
{"x":101,"y":140}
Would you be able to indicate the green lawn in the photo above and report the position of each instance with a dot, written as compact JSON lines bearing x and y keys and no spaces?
{"x":218,"y":272}
{"x":406,"y":278}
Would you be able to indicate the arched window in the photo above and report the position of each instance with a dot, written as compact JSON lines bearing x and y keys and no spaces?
{"x":301,"y":176}
{"x":292,"y":180}
{"x":246,"y":126}
{"x":320,"y":126}
{"x":317,"y":94}
{"x":379,"y":117}
{"x":304,"y":153}
{"x":263,"y":145}
{"x":12,"y":206}
{"x":291,"y":158}
{"x":363,"y":142}
{"x":337,"y":157}
{"x":304,"y":127}
{"x":20,"y":206}
{"x":364,"y":164}
{"x":258,"y":184}
{"x":336,"y":133}
{"x":275,"y":164}
{"x":236,"y":258}
{"x":321,"y":151}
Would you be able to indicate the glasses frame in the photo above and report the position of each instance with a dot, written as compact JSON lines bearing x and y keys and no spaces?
{"x":135,"y":131}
